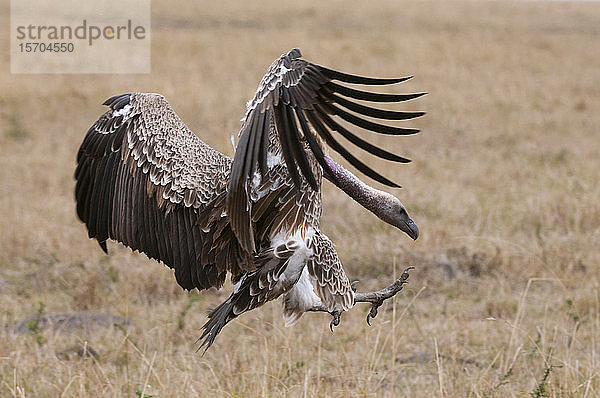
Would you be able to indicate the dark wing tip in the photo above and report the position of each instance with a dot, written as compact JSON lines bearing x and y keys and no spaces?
{"x":416,"y":95}
{"x":117,"y":102}
{"x":103,"y":246}
{"x":355,"y":79}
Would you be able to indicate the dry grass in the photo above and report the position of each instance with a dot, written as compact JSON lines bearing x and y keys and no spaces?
{"x":505,"y":300}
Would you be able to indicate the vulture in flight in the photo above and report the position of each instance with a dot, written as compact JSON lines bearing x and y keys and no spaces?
{"x":146,"y":180}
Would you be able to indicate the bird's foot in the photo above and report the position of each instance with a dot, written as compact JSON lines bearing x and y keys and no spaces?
{"x":377,"y":298}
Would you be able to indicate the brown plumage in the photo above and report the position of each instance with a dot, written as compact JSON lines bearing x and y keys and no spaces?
{"x":145,"y":180}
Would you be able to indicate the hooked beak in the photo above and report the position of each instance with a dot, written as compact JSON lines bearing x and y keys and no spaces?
{"x":410,"y":228}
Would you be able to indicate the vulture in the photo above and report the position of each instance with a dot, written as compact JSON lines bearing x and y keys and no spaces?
{"x":144,"y":179}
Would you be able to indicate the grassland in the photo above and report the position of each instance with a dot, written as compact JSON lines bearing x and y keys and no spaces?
{"x":505,"y":298}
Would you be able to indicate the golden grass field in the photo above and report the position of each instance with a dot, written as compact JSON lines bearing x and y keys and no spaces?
{"x":505,"y":187}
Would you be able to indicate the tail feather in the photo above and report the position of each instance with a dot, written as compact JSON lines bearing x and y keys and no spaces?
{"x":218,"y":318}
{"x":254,"y":289}
{"x":240,"y":301}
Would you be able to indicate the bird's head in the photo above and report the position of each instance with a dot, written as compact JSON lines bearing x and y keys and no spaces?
{"x":388,"y":208}
{"x":384,"y":205}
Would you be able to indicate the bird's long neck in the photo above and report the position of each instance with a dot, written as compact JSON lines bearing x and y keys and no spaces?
{"x":370,"y":198}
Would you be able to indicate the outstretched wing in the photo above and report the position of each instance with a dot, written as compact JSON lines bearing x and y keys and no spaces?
{"x":144,"y":179}
{"x":303,"y":98}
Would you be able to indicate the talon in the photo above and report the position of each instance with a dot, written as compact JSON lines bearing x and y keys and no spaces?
{"x":373,"y":312}
{"x":335,"y":321}
{"x":353,"y":285}
{"x":405,"y":273}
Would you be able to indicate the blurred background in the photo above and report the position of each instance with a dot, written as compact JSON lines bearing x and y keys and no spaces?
{"x":504,"y":185}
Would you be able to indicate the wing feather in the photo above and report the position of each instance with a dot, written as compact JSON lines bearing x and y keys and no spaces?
{"x":369,"y":96}
{"x":354,"y":79}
